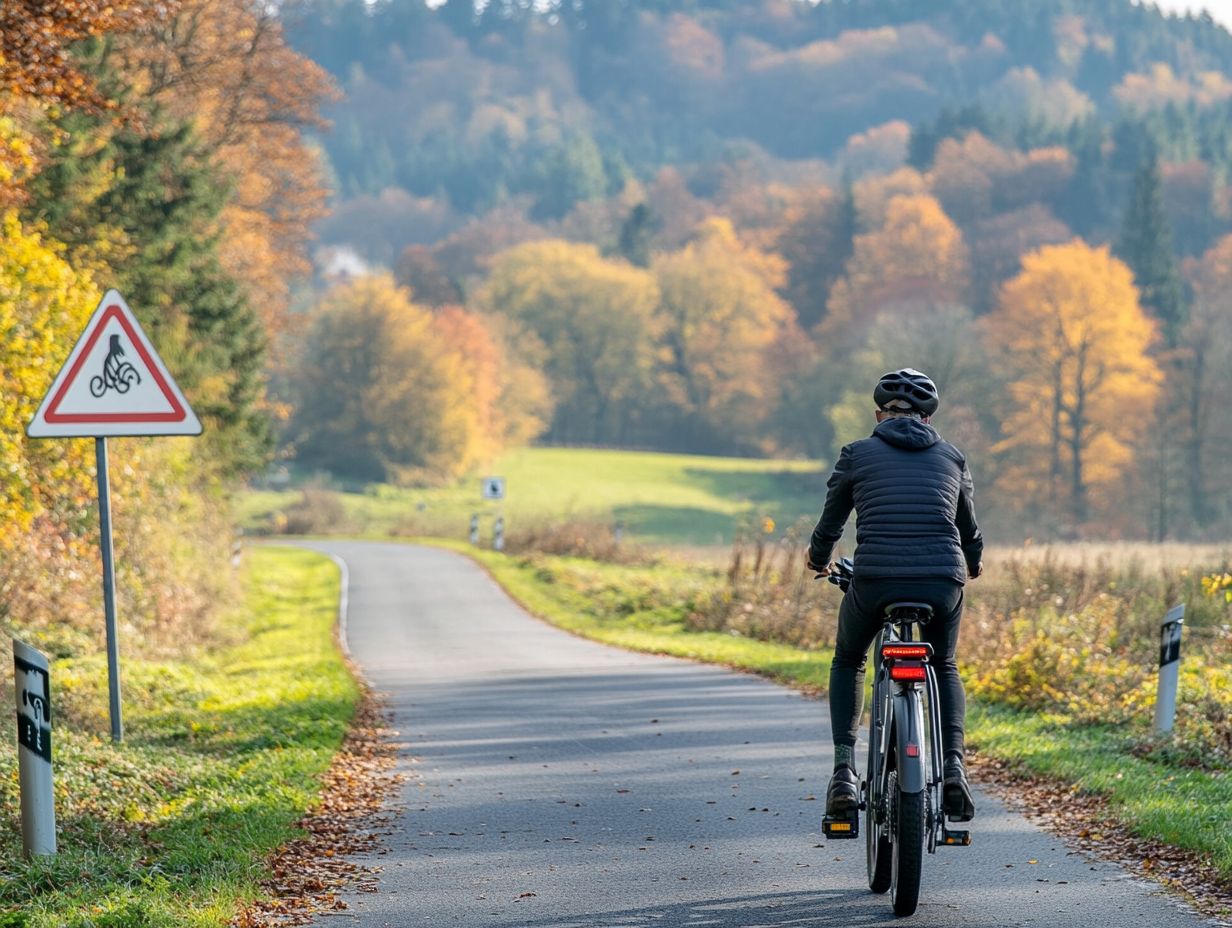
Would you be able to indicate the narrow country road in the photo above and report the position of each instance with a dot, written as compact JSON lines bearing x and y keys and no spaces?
{"x":557,"y":783}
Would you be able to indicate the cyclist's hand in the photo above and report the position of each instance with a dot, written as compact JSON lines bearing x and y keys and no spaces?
{"x":979,"y":569}
{"x":818,"y":572}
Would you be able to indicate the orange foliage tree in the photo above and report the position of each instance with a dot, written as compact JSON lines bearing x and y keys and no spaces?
{"x":916,"y":261}
{"x":1074,"y":344}
{"x":35,"y":45}
{"x":225,"y":66}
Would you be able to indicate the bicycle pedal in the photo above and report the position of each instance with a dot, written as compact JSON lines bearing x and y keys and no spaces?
{"x":840,"y":828}
{"x":955,"y":838}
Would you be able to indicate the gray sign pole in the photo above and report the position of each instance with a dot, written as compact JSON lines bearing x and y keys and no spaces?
{"x":32,"y":686}
{"x":1169,"y":668}
{"x":109,"y":607}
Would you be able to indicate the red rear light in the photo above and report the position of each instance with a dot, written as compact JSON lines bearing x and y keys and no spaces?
{"x":908,"y":673}
{"x":914,"y":652}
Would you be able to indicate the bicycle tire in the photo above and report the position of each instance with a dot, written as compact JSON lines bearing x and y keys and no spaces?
{"x":877,"y":847}
{"x":908,"y":852}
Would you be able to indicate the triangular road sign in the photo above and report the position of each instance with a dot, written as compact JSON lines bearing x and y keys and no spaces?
{"x":113,"y":383}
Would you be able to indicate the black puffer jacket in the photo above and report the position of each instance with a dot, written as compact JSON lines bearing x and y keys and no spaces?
{"x":912,"y":494}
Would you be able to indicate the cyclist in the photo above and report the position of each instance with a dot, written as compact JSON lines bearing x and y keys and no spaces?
{"x":916,"y":540}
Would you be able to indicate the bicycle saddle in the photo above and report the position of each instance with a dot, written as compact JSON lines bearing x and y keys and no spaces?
{"x":920,"y":613}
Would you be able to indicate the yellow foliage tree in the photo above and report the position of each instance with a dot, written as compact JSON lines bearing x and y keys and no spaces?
{"x":43,"y":306}
{"x":1075,"y":345}
{"x":720,"y":316}
{"x":594,"y":321}
{"x":916,"y":261}
{"x":382,"y":395}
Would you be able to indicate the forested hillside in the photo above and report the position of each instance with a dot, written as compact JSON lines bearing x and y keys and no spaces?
{"x":707,"y":225}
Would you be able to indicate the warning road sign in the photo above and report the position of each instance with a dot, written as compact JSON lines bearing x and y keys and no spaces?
{"x":113,"y":383}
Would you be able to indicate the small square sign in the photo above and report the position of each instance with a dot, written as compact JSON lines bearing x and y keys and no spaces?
{"x":493,"y":487}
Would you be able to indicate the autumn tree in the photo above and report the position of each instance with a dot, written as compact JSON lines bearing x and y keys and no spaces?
{"x":1201,"y":385}
{"x":816,"y":239}
{"x":37,"y":39}
{"x":381,"y":396}
{"x":594,"y":318}
{"x":420,"y":271}
{"x":225,"y":67}
{"x":915,"y":261}
{"x":508,"y":396}
{"x":720,"y":317}
{"x":1073,"y":342}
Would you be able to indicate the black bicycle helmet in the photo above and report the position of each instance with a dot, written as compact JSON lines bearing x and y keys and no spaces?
{"x":910,"y":385}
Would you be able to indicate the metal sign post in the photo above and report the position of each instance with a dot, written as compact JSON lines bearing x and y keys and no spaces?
{"x":109,"y":606}
{"x":1169,"y":668}
{"x":113,"y":383}
{"x":32,"y":679}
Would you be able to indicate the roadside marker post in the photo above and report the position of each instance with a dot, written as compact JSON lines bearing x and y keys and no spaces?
{"x":493,"y":489}
{"x":1169,"y":668}
{"x":475,"y":528}
{"x":32,"y":687}
{"x":113,"y":384}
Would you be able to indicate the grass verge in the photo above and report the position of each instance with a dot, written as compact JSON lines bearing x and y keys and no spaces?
{"x":223,"y":753}
{"x":644,"y":609}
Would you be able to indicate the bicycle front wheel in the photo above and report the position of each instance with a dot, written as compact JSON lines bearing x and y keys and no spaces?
{"x":876,"y":823}
{"x":908,"y":854}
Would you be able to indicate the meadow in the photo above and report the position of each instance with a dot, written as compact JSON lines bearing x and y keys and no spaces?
{"x":658,"y":499}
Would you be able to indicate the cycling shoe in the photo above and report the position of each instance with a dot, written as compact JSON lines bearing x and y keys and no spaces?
{"x":843,"y":795}
{"x":956,"y":797}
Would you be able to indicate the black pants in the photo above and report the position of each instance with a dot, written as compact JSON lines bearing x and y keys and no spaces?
{"x":862,"y":616}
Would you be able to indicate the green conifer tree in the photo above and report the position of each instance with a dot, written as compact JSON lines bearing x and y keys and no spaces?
{"x":1146,"y":246}
{"x":146,"y":203}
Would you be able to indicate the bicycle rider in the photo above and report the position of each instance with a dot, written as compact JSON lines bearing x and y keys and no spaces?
{"x":916,"y":540}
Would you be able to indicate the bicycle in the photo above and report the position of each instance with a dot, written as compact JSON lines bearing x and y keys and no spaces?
{"x":901,"y":796}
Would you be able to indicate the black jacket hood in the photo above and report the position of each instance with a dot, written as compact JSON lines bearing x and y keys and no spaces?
{"x":908,"y":434}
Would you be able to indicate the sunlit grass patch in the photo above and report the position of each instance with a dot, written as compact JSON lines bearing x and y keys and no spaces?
{"x":223,"y":752}
{"x":655,"y":497}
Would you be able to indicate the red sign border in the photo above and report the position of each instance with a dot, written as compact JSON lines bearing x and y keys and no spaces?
{"x":177,"y":414}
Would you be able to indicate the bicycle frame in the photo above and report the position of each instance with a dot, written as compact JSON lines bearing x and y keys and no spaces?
{"x":918,"y":753}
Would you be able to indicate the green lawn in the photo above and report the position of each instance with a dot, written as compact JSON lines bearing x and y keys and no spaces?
{"x":659,"y":498}
{"x":223,"y":752}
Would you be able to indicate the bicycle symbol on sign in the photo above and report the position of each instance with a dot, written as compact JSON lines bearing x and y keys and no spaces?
{"x":118,"y":375}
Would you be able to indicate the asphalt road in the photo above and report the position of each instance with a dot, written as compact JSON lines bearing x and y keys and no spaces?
{"x":557,"y":783}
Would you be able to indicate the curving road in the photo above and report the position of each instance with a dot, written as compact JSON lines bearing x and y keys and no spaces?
{"x":558,"y":783}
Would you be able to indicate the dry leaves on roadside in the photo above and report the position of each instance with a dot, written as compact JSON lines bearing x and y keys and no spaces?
{"x":311,"y":872}
{"x":1087,"y":824}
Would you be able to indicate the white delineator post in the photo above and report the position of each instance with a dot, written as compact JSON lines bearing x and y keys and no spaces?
{"x":33,"y":690}
{"x":498,"y":534}
{"x":1169,"y":668}
{"x":475,"y":530}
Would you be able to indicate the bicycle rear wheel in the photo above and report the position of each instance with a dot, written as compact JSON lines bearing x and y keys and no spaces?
{"x":908,"y":854}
